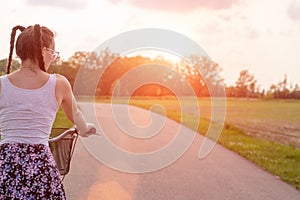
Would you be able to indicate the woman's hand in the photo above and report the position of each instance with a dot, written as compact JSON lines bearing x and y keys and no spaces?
{"x":90,"y":131}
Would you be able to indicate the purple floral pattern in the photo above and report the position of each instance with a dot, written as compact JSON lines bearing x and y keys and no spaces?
{"x":28,"y":171}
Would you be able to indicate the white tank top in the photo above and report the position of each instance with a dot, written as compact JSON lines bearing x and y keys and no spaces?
{"x":27,"y":116}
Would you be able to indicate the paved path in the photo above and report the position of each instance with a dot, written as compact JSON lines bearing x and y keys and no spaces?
{"x":221,"y":175}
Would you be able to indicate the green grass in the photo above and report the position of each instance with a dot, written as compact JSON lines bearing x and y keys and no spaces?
{"x":283,"y":110}
{"x":61,"y":123}
{"x":281,"y":160}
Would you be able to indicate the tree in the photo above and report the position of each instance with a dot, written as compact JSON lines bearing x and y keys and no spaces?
{"x":64,"y":68}
{"x":90,"y":65}
{"x":245,"y":84}
{"x":295,"y":94}
{"x":209,"y":76}
{"x":282,"y":90}
{"x":231,"y":91}
{"x":3,"y":64}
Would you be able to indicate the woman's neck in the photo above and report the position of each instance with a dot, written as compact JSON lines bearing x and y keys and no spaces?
{"x":28,"y":64}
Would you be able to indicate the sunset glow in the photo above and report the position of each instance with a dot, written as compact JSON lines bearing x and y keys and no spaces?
{"x":261,"y":36}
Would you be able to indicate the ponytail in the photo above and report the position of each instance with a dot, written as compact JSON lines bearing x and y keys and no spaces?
{"x":38,"y":46}
{"x":29,"y":44}
{"x":12,"y":44}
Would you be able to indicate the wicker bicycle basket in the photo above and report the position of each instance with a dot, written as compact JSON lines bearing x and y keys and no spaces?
{"x":62,"y":147}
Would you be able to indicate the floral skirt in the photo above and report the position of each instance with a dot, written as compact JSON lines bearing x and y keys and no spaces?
{"x":28,"y":171}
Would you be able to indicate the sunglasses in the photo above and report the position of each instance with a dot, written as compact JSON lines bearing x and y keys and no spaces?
{"x":55,"y":54}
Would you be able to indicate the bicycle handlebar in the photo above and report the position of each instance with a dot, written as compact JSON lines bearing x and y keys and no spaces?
{"x":69,"y":131}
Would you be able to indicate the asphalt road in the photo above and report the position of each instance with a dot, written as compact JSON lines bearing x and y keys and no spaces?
{"x":221,"y":175}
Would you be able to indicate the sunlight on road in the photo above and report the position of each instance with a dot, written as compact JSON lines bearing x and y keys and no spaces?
{"x":107,"y":191}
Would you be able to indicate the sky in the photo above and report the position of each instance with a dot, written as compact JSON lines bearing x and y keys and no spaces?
{"x":262,"y":36}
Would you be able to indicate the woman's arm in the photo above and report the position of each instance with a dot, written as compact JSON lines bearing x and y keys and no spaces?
{"x":66,"y":99}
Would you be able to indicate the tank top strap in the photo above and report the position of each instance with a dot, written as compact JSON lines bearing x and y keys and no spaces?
{"x":4,"y":82}
{"x":52,"y":80}
{"x":50,"y":83}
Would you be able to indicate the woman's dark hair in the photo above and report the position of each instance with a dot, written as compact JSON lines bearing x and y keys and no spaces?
{"x":29,"y":44}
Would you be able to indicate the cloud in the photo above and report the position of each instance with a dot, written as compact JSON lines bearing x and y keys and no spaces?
{"x":66,"y":4}
{"x":293,"y":10}
{"x":179,"y":5}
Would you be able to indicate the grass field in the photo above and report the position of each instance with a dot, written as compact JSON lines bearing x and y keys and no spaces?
{"x":277,"y":120}
{"x":265,"y":132}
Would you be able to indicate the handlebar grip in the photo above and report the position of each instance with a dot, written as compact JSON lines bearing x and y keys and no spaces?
{"x":91,"y":131}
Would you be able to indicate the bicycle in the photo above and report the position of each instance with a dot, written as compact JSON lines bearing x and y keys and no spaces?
{"x":62,"y":147}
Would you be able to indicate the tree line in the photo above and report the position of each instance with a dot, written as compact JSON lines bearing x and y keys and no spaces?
{"x":123,"y":76}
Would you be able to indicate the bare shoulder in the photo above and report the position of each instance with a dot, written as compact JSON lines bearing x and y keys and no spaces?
{"x":60,"y":77}
{"x":62,"y":84}
{"x":62,"y":81}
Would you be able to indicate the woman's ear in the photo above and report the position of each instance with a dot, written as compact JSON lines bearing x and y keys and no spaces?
{"x":43,"y":51}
